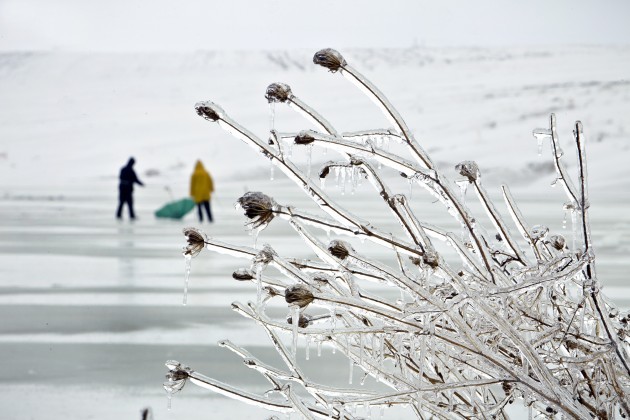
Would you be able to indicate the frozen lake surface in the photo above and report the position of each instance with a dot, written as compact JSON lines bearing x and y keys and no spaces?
{"x":92,"y":307}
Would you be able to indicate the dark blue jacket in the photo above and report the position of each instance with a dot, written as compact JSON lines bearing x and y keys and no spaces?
{"x":128,"y":177}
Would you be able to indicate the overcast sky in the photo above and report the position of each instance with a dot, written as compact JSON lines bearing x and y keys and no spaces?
{"x":186,"y":25}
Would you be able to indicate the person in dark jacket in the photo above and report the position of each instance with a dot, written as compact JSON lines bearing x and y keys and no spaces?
{"x":128,"y":177}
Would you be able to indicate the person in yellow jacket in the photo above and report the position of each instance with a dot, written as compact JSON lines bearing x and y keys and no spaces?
{"x":201,"y":188}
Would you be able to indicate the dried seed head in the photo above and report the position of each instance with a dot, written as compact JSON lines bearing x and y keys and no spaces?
{"x":321,"y":278}
{"x":258,"y":207}
{"x":538,"y":232}
{"x":265,"y":255}
{"x":329,"y":58}
{"x":303,"y":322}
{"x":569,"y":206}
{"x":209,"y":110}
{"x":304,"y":137}
{"x":340,"y":249}
{"x":557,"y":241}
{"x":196,"y":241}
{"x":242,"y":274}
{"x":415,"y":261}
{"x":468,"y":169}
{"x":431,"y":258}
{"x":278,"y":92}
{"x":271,"y":292}
{"x":176,"y":377}
{"x":323,"y":173}
{"x":551,"y":410}
{"x":299,"y":295}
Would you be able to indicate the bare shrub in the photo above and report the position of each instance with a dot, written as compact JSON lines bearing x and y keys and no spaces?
{"x":515,"y":317}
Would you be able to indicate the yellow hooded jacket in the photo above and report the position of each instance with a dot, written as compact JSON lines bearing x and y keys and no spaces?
{"x":201,"y":185}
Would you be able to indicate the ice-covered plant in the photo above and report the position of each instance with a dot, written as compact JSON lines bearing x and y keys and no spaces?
{"x":501,"y":317}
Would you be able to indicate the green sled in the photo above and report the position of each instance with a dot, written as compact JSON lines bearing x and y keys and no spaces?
{"x":176,"y":209}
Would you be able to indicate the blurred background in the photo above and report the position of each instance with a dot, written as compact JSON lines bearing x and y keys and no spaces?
{"x":92,"y":306}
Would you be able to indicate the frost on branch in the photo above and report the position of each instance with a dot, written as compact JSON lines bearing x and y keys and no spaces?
{"x":517,"y":315}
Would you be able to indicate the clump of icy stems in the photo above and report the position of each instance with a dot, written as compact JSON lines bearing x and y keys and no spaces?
{"x":516,"y":317}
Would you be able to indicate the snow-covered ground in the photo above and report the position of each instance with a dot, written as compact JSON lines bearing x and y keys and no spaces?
{"x":92,"y":307}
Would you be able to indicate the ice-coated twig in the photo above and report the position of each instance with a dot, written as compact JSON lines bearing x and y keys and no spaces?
{"x":246,"y":355}
{"x":311,"y":387}
{"x":297,"y":402}
{"x":365,"y":231}
{"x":584,"y":203}
{"x":557,"y":154}
{"x":519,"y":221}
{"x":471,"y":172}
{"x":538,"y":280}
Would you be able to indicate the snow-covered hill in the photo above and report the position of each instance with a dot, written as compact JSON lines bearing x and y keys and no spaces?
{"x":76,"y":117}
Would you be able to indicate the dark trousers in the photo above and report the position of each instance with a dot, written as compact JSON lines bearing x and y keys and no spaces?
{"x":125,"y":196}
{"x":201,"y":205}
